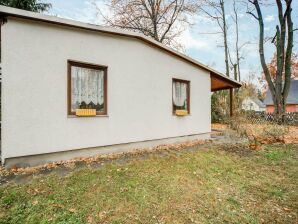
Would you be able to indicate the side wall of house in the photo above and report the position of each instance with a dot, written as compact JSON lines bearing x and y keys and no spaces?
{"x":34,"y":103}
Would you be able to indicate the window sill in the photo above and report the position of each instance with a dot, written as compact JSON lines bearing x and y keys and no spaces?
{"x":74,"y":116}
{"x":175,"y":115}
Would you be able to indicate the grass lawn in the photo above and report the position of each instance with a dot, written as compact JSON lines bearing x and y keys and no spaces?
{"x":218,"y":185}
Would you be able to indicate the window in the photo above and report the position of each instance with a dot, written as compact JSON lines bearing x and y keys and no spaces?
{"x":181,"y":95}
{"x":87,"y":87}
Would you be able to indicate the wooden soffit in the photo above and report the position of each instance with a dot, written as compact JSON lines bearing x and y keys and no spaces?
{"x":221,"y":83}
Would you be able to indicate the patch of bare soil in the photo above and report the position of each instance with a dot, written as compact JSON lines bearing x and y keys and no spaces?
{"x":239,"y":149}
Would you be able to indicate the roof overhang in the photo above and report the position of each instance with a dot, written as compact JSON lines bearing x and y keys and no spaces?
{"x":218,"y":80}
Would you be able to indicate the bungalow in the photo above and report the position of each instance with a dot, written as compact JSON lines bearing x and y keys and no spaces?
{"x":292,"y":99}
{"x":252,"y":103}
{"x":71,"y":89}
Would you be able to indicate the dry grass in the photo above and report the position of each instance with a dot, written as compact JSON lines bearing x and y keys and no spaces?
{"x":270,"y":133}
{"x":218,"y":126}
{"x":263,"y":133}
{"x":292,"y":136}
{"x":209,"y":186}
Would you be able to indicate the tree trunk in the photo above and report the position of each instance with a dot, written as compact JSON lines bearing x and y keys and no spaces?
{"x":261,"y":51}
{"x":222,"y":6}
{"x":237,"y":41}
{"x":235,"y":71}
{"x":288,"y":54}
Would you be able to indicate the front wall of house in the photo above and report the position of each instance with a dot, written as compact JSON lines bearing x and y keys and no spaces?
{"x":248,"y":104}
{"x":34,"y":97}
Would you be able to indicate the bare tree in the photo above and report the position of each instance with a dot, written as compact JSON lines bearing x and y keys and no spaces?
{"x":237,"y":48}
{"x":163,"y":20}
{"x":215,"y":9}
{"x":239,"y":43}
{"x":283,"y":41}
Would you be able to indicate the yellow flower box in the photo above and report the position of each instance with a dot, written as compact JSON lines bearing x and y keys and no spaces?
{"x":85,"y":112}
{"x":181,"y":112}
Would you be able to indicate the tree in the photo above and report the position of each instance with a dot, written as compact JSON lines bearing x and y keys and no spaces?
{"x":235,"y":18}
{"x":283,"y":41}
{"x":238,"y":43}
{"x":30,"y":5}
{"x":272,"y":67}
{"x":215,"y":9}
{"x":163,"y":20}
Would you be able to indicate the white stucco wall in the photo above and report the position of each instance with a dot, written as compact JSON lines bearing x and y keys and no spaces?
{"x":249,"y":104}
{"x":34,"y":97}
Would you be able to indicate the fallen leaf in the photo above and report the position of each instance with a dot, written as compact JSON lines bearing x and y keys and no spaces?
{"x":34,"y":202}
{"x":90,"y":219}
{"x":72,"y":210}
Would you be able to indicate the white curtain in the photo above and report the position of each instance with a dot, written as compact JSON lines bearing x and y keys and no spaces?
{"x":180,"y":94}
{"x":87,"y":86}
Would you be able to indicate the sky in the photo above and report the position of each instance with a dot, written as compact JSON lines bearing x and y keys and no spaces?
{"x":206,"y":48}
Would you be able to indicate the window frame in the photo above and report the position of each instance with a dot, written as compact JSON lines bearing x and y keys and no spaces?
{"x":80,"y":64}
{"x":188,"y":94}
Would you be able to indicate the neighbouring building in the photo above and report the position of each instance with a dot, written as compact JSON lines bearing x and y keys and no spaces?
{"x":292,"y":99}
{"x":71,"y":89}
{"x":250,"y":103}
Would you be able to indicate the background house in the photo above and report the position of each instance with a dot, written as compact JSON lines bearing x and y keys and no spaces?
{"x":292,"y":100}
{"x":254,"y":104}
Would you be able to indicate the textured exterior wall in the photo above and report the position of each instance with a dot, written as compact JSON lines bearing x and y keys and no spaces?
{"x":34,"y":94}
{"x":270,"y":109}
{"x":289,"y":108}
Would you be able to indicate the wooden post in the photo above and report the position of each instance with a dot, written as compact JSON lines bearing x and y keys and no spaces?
{"x":231,"y":102}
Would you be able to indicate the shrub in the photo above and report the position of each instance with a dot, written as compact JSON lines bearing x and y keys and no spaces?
{"x":259,"y":134}
{"x":219,"y":107}
{"x":276,"y":133}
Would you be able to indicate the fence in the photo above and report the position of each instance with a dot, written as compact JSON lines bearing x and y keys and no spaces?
{"x":261,"y":117}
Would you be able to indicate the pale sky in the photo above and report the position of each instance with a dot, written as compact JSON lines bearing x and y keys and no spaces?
{"x":203,"y":47}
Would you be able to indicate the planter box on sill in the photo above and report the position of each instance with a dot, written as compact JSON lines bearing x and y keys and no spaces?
{"x":85,"y":112}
